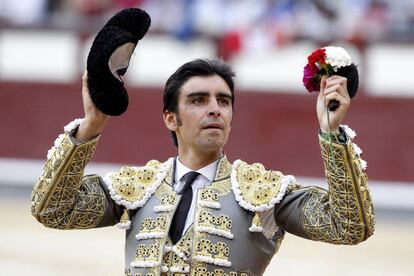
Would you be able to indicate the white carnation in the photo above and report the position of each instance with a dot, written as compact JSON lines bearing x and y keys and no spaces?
{"x":337,"y":57}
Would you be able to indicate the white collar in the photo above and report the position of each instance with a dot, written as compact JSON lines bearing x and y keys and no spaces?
{"x":208,"y":171}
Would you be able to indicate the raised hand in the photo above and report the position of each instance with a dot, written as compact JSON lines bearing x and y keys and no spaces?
{"x":332,"y":88}
{"x":95,"y":120}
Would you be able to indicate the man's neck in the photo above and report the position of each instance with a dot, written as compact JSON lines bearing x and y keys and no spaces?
{"x":197,"y":160}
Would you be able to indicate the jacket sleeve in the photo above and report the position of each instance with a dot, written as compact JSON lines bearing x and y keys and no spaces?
{"x":65,"y":199}
{"x":341,"y":215}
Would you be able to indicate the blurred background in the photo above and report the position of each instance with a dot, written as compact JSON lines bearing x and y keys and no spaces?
{"x":43,"y":50}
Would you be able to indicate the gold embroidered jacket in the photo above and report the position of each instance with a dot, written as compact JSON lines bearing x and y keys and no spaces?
{"x":227,"y":237}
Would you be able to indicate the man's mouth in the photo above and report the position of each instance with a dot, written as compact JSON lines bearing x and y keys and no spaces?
{"x":213,"y":126}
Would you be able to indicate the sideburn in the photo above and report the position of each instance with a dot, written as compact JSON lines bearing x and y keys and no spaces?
{"x":178,"y":118}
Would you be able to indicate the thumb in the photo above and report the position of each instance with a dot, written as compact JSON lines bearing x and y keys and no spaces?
{"x":321,"y":95}
{"x":323,"y":83}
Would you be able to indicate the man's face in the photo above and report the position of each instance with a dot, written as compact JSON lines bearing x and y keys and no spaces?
{"x":204,"y":114}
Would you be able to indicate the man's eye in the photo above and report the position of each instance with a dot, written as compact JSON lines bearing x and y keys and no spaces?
{"x":223,"y":101}
{"x":198,"y":100}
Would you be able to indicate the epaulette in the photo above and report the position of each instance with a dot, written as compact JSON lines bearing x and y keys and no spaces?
{"x":131,"y":187}
{"x":257,"y":189}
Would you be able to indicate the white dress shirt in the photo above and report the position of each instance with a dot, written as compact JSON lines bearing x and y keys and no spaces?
{"x":204,"y":179}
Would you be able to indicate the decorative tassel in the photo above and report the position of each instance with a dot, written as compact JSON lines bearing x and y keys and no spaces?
{"x":256,"y":224}
{"x":124,"y":222}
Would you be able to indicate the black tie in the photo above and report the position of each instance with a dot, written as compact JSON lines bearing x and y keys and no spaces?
{"x":178,"y":221}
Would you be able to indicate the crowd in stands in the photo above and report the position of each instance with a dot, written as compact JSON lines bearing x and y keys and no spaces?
{"x":233,"y":24}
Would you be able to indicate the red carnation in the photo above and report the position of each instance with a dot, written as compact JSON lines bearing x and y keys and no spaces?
{"x":311,"y":78}
{"x":317,"y":56}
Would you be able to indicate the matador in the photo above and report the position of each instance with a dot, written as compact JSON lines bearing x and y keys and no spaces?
{"x":236,"y":213}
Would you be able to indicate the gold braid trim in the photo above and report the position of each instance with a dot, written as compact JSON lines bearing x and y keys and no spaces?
{"x":257,"y":189}
{"x":344,"y":215}
{"x":61,"y":198}
{"x":132,"y":187}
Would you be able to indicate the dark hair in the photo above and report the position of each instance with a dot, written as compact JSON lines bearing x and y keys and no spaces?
{"x":197,"y":67}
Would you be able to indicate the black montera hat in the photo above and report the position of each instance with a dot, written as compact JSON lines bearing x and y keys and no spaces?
{"x":106,"y":88}
{"x":351,"y":74}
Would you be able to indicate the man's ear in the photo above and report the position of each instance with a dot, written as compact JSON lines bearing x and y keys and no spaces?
{"x":170,"y":120}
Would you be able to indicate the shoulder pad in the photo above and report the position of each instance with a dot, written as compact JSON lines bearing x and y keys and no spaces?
{"x":133,"y":186}
{"x":257,"y":189}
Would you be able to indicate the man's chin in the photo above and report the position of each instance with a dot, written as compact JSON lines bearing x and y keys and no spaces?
{"x":213,"y":144}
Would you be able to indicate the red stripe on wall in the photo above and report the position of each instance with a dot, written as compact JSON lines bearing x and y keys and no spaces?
{"x":279,"y":130}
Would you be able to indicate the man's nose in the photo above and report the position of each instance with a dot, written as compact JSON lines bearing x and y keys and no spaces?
{"x":214,"y":109}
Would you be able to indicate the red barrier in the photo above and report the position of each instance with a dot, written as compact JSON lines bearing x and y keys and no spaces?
{"x":276,"y":129}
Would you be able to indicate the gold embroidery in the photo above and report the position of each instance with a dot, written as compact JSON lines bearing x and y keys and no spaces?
{"x":177,"y":258}
{"x":148,"y":255}
{"x":125,"y":217}
{"x":168,"y":199}
{"x":224,"y":222}
{"x":61,"y":198}
{"x":153,"y":228}
{"x":256,"y":224}
{"x":221,"y":250}
{"x":133,"y":187}
{"x":184,"y":245}
{"x":127,"y":272}
{"x":203,"y":248}
{"x":167,"y":258}
{"x":154,"y":164}
{"x":257,"y":185}
{"x":201,"y":269}
{"x":168,"y":178}
{"x":223,"y":169}
{"x":165,"y":194}
{"x":216,"y":225}
{"x":346,"y":217}
{"x":208,"y":252}
{"x":221,"y":187}
{"x":209,"y":195}
{"x":132,"y":183}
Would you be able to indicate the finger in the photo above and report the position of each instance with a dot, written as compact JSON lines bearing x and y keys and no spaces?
{"x":85,"y":89}
{"x":335,"y":88}
{"x":85,"y":77}
{"x":321,"y":95}
{"x":87,"y":101}
{"x":336,"y":96}
{"x":336,"y":81}
{"x":336,"y":78}
{"x":323,"y":83}
{"x":340,"y":84}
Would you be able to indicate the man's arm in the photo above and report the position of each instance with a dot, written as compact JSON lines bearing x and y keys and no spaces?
{"x":344,"y":213}
{"x":341,"y":215}
{"x":95,"y":120}
{"x":64,"y":199}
